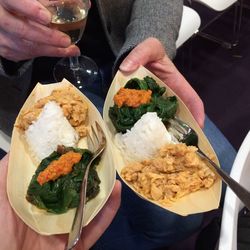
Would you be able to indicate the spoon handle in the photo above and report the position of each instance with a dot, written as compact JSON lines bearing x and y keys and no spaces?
{"x":240,"y":191}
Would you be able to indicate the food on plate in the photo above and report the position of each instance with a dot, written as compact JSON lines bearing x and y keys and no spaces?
{"x":57,"y":119}
{"x":50,"y":129}
{"x":62,"y":166}
{"x":124,"y":117}
{"x":175,"y":171}
{"x":138,"y":114}
{"x":56,"y":187}
{"x":72,"y":104}
{"x":144,"y":139}
{"x":132,"y":97}
{"x":158,"y":166}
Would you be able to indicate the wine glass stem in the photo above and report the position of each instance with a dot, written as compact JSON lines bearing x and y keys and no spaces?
{"x":74,"y":62}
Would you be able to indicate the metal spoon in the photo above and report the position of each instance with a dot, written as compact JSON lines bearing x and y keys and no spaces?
{"x":184,"y":133}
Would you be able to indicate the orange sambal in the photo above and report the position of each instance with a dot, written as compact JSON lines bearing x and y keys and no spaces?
{"x":132,"y":97}
{"x":57,"y":168}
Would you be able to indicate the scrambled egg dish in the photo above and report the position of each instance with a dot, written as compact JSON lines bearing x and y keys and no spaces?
{"x":174,"y":172}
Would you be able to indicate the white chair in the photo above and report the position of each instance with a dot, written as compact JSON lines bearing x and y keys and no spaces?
{"x":190,"y":24}
{"x":232,"y":205}
{"x":221,"y":6}
{"x":217,"y":5}
{"x":4,"y":141}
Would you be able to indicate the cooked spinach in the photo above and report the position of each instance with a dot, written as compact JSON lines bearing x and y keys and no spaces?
{"x":145,"y":84}
{"x":62,"y":194}
{"x":125,"y":117}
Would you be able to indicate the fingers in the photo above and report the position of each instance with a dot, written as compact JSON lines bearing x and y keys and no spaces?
{"x":3,"y":177}
{"x":21,"y":38}
{"x":16,"y":50}
{"x":169,"y":74}
{"x":142,"y":55}
{"x":43,"y":42}
{"x":20,"y":28}
{"x":31,"y":9}
{"x":49,"y":51}
{"x":97,"y":227}
{"x":31,"y":50}
{"x":151,"y":54}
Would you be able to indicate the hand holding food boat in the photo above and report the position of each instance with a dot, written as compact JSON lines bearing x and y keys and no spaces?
{"x":134,"y":149}
{"x":48,"y":209}
{"x":23,"y":164}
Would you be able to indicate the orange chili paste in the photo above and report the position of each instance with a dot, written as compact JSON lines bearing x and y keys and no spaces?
{"x":56,"y":168}
{"x":132,"y":97}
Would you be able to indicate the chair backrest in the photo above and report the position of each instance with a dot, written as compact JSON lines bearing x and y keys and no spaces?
{"x":218,"y":5}
{"x":190,"y":24}
{"x":232,"y":205}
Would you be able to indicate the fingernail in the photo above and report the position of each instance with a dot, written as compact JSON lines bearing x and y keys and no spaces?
{"x":127,"y":65}
{"x":73,"y":51}
{"x":65,"y":41}
{"x":44,"y":16}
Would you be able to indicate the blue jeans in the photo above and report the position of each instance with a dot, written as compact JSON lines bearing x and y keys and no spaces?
{"x":142,"y":225}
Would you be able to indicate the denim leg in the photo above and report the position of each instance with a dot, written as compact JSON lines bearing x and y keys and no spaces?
{"x":142,"y":225}
{"x":224,"y":150}
{"x":222,"y":147}
{"x":96,"y":100}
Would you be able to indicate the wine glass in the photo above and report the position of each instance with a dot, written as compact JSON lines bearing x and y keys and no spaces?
{"x":70,"y":16}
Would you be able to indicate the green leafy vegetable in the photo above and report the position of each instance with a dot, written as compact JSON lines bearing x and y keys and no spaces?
{"x":125,"y":117}
{"x":145,"y":84}
{"x":62,"y":194}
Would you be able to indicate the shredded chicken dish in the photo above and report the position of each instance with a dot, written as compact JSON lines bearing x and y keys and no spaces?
{"x":74,"y":109}
{"x":173,"y":173}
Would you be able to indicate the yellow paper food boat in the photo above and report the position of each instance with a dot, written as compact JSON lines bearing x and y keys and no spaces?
{"x":196,"y":202}
{"x":21,"y":166}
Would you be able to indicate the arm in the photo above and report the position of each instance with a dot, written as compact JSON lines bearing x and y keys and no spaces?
{"x":159,"y":19}
{"x":151,"y":42}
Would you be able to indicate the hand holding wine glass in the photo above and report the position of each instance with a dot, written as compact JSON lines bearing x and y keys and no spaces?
{"x":24,"y":32}
{"x":70,"y":16}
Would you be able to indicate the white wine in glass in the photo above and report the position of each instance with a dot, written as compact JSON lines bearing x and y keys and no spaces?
{"x":70,"y":20}
{"x":70,"y":16}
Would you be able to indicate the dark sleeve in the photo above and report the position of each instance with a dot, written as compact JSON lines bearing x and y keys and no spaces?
{"x":149,"y":18}
{"x":15,"y":80}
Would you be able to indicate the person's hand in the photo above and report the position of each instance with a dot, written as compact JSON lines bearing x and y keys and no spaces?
{"x":151,"y":54}
{"x":16,"y":235}
{"x":24,"y":32}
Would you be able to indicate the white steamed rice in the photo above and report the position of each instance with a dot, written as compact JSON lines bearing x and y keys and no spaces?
{"x":50,"y":130}
{"x":147,"y":136}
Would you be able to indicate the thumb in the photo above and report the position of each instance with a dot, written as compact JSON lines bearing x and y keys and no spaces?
{"x":150,"y":50}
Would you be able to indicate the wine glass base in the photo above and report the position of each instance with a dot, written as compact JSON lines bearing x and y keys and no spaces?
{"x":85,"y":75}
